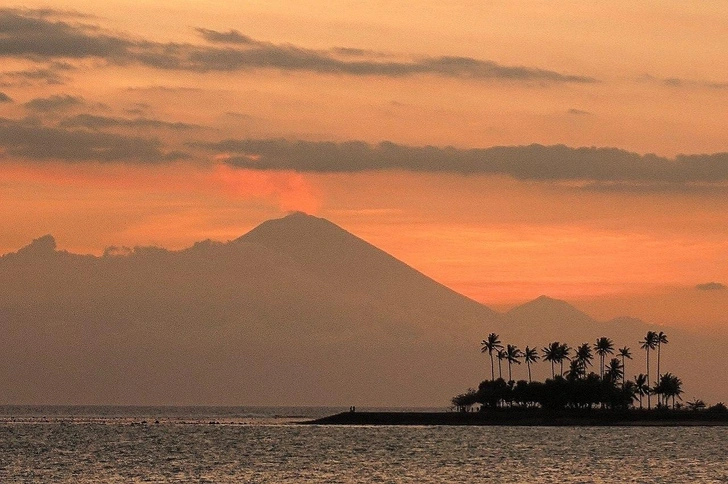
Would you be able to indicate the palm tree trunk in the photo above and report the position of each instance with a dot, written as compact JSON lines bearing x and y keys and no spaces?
{"x":659,"y":345}
{"x":529,"y":371}
{"x":510,"y":378}
{"x":492,"y":369}
{"x":624,"y":372}
{"x":500,"y":371}
{"x":649,"y":400}
{"x":552,"y":369}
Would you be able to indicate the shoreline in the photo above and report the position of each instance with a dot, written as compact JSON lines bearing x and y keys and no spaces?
{"x":530,"y":417}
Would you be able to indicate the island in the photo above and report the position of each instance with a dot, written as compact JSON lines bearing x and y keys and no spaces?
{"x":576,"y":397}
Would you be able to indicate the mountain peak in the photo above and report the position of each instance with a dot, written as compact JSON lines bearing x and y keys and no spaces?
{"x":547,"y":309}
{"x":340,"y":258}
{"x":296,"y":227}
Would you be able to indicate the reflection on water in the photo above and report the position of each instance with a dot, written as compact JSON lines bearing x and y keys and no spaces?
{"x":113,"y":446}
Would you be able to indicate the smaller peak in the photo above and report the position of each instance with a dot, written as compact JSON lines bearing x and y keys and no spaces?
{"x":45,"y":245}
{"x":544,"y":300}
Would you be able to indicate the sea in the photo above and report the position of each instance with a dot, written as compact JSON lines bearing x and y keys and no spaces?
{"x":269,"y":445}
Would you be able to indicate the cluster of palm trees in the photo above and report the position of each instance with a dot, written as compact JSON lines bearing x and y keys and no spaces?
{"x":667,"y":386}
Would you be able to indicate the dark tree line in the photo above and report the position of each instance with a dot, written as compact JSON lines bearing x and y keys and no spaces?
{"x":576,"y":387}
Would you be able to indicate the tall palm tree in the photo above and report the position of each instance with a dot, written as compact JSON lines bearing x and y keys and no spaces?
{"x":661,"y":339}
{"x":603,"y":347}
{"x":491,"y":344}
{"x":647,"y":344}
{"x":512,"y":356}
{"x":530,"y":356}
{"x":551,"y":354}
{"x":501,"y":355}
{"x":563,"y":354}
{"x":624,"y":352}
{"x":584,"y":357}
{"x":642,"y":387}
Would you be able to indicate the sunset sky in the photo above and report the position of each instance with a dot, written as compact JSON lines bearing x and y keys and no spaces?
{"x":508,"y":150}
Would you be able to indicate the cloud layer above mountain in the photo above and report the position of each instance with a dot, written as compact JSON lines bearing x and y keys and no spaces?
{"x":533,"y":162}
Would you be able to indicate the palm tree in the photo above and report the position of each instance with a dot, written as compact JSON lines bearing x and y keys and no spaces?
{"x":563,"y":354}
{"x":642,"y":387}
{"x":575,"y":372}
{"x":696,"y":404}
{"x":584,"y":357}
{"x":501,"y":355}
{"x":492,"y":343}
{"x":661,"y":339}
{"x":551,"y":354}
{"x":647,"y":344}
{"x":669,"y":386}
{"x":615,"y":371}
{"x":675,"y":388}
{"x":624,"y":353}
{"x":603,"y":347}
{"x":512,"y":355}
{"x":531,"y":356}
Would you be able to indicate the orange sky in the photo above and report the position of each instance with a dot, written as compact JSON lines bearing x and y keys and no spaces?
{"x":647,"y":78}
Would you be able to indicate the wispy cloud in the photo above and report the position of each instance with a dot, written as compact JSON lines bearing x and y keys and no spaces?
{"x":29,"y":34}
{"x":54,"y":103}
{"x":533,"y":162}
{"x":229,"y":37}
{"x":711,"y":286}
{"x":4,"y":98}
{"x":578,"y":112}
{"x":96,"y":122}
{"x":678,"y":82}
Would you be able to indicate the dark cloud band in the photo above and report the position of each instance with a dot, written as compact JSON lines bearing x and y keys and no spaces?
{"x":533,"y":162}
{"x":33,"y":141}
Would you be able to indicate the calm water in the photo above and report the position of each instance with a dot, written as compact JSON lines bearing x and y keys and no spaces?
{"x":84,"y":445}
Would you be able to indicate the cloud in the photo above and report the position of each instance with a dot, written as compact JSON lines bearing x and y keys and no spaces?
{"x":54,"y":103}
{"x":291,"y":58}
{"x":533,"y":162}
{"x":28,"y":34}
{"x":50,"y":74}
{"x":677,"y":82}
{"x":711,"y":286}
{"x":95,"y":122}
{"x":578,"y":112}
{"x":230,"y":37}
{"x":4,"y":98}
{"x":37,"y":142}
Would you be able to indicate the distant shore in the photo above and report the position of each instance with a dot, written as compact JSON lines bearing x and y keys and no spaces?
{"x":530,"y":417}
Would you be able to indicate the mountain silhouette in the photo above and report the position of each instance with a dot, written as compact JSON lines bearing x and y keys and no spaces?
{"x":335,"y":256}
{"x":298,"y":311}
